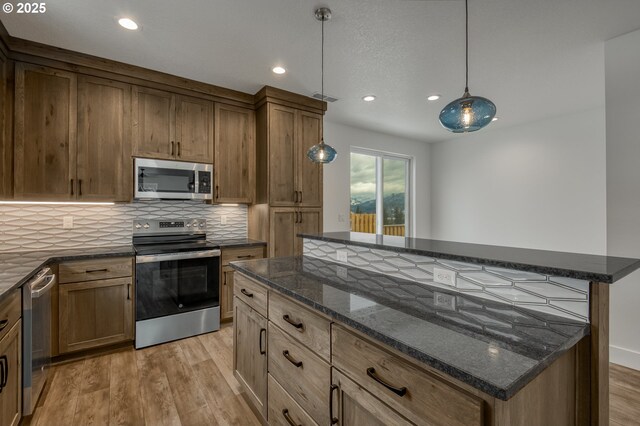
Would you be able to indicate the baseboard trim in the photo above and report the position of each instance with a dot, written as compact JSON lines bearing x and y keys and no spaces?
{"x":625,"y":357}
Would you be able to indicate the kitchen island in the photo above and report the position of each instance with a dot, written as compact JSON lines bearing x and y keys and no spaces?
{"x":493,"y":350}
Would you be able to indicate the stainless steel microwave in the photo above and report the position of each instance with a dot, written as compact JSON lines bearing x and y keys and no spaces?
{"x":172,"y":180}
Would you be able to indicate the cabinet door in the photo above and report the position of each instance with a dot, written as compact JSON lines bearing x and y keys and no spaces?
{"x":235,"y":155}
{"x":95,"y":313}
{"x":309,"y":222}
{"x":250,"y":353}
{"x":154,"y":116}
{"x":282,"y":159}
{"x":352,"y":405}
{"x":11,"y":361}
{"x":104,"y":166}
{"x":45,"y":133}
{"x":226,"y":296}
{"x":309,"y":174}
{"x":194,"y":129}
{"x":6,"y":152}
{"x":282,"y":230}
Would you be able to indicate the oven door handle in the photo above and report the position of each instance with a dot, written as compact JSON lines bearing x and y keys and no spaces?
{"x":177,"y":256}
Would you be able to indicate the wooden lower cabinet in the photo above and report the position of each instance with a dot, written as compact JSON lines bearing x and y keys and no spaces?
{"x":226,"y":294}
{"x":250,"y":354}
{"x":284,"y":410}
{"x":95,"y":313}
{"x":286,"y":224}
{"x":11,"y":363}
{"x":352,"y":405}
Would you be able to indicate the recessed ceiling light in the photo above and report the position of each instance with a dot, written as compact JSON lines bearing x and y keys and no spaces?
{"x":433,"y":97}
{"x":495,"y":119}
{"x":278,"y":70}
{"x":128,"y":23}
{"x":369,"y":98}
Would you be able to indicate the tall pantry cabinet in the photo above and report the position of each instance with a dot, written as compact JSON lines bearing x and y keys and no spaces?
{"x":289,"y":186}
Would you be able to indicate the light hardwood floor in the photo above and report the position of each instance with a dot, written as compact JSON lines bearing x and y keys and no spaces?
{"x":190,"y":382}
{"x":187,"y":382}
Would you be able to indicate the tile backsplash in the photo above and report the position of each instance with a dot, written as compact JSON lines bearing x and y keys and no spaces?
{"x":560,"y":296}
{"x":39,"y":227}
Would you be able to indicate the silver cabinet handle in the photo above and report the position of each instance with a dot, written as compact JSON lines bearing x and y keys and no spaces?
{"x":51,"y":280}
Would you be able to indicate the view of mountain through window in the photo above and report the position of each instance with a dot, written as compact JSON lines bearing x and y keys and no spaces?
{"x":379,"y":194}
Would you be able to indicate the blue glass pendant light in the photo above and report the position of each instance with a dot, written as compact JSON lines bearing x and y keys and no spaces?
{"x":468,"y":113}
{"x":322,"y":153}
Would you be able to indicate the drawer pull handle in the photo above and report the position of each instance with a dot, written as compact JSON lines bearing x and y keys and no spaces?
{"x":92,"y":271}
{"x":245,"y":256}
{"x":334,"y":420}
{"x":262,"y":351}
{"x":371,"y":372}
{"x":4,"y":370}
{"x":3,"y":324}
{"x":246,"y":293}
{"x":291,"y":360}
{"x":287,"y":417}
{"x":298,"y":325}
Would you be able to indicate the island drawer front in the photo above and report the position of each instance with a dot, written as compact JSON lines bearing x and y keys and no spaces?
{"x":309,"y":383}
{"x":244,"y":253}
{"x":10,"y":311}
{"x":251,"y":292}
{"x":282,"y":405}
{"x":95,"y":269}
{"x":427,"y":399}
{"x":302,"y":324}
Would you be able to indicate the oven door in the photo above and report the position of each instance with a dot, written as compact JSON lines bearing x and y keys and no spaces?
{"x":169,"y":284}
{"x":172,"y":179}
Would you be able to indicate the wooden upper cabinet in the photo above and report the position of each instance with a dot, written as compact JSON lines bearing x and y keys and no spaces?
{"x":167,"y":126}
{"x":285,"y":225}
{"x":154,"y":117}
{"x":45,"y":133}
{"x":6,"y":154}
{"x":194,"y":129}
{"x":104,"y":166}
{"x":235,"y":153}
{"x":282,"y":155}
{"x":309,"y":177}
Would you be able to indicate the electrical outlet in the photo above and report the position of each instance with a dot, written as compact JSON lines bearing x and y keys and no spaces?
{"x":443,"y":300}
{"x":67,"y":222}
{"x":223,"y":220}
{"x":342,"y":256}
{"x":341,"y":271}
{"x":444,"y":276}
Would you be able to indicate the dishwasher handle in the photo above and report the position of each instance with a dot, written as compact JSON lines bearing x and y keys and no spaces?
{"x":39,"y":290}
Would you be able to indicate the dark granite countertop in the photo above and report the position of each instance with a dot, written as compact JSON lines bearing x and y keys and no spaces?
{"x":605,"y":269}
{"x":494,"y":347}
{"x":17,"y":267}
{"x":238,"y":242}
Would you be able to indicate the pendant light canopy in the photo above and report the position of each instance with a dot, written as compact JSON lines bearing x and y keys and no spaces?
{"x":322,"y":153}
{"x":468,"y":113}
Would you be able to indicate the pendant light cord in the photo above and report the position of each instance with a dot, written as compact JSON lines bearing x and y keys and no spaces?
{"x":322,"y":62}
{"x":466,"y":28}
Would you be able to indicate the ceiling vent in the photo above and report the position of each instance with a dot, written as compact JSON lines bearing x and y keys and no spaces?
{"x":327,"y":98}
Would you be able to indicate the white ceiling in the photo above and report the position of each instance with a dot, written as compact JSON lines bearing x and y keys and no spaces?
{"x":533,"y":58}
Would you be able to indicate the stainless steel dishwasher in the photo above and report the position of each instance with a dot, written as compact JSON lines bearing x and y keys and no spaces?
{"x":36,"y":334}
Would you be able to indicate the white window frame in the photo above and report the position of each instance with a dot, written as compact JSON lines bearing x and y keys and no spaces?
{"x":380,"y":156}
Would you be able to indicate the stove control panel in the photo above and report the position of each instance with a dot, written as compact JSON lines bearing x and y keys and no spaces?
{"x":169,"y":226}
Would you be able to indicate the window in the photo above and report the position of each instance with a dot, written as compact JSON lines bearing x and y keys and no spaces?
{"x":380,"y":193}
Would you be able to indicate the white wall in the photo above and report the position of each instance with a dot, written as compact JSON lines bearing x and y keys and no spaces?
{"x":337,"y":177}
{"x":622,"y":68}
{"x":539,"y":185}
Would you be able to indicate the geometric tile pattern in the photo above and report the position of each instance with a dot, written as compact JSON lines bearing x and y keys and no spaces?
{"x":39,"y":227}
{"x":560,"y":296}
{"x":525,"y":331}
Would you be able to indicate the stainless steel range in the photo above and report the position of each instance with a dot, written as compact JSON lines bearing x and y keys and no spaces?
{"x":177,"y":280}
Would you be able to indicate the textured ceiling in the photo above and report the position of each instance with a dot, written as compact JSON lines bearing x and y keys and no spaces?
{"x":533,"y":58}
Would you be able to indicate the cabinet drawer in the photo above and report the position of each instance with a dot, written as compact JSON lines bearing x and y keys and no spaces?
{"x":251,"y":292}
{"x":95,"y":269}
{"x":305,"y":376}
{"x":245,"y":253}
{"x":10,"y":311}
{"x":308,"y":327}
{"x":283,"y":410}
{"x":423,"y":399}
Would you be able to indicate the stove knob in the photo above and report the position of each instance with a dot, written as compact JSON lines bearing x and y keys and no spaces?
{"x":188,"y":225}
{"x":201,"y":224}
{"x":145,"y":226}
{"x":138,"y":226}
